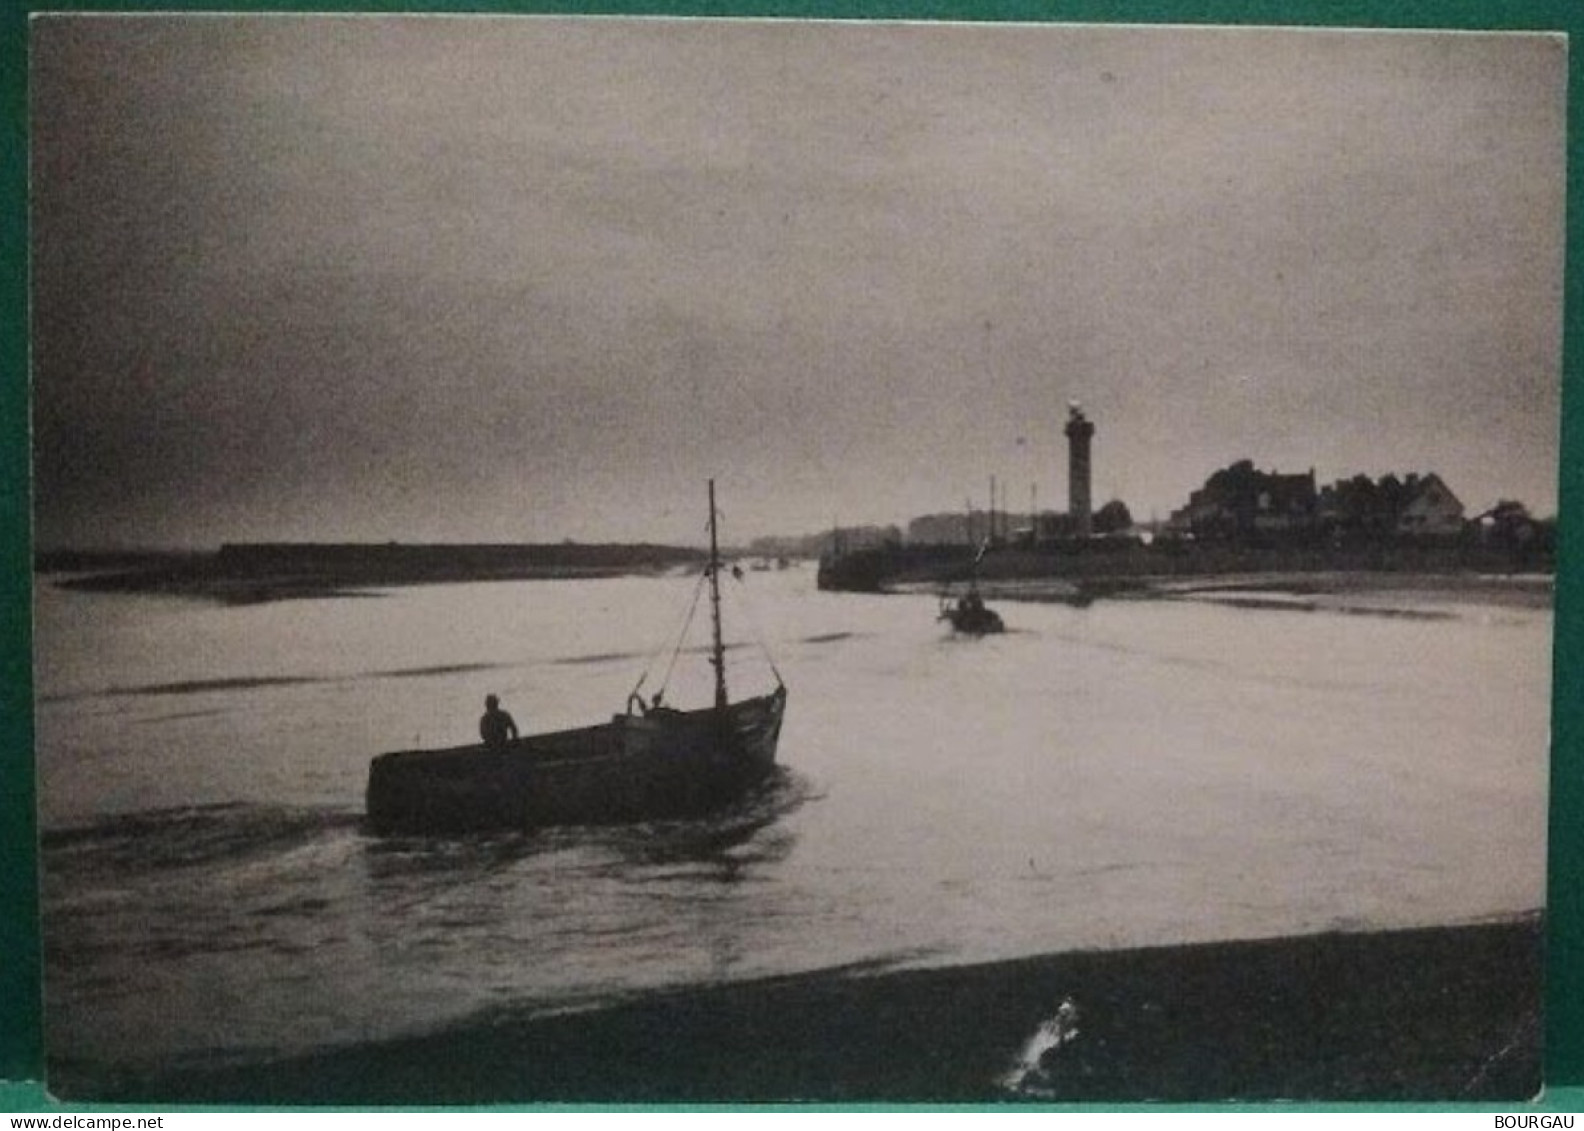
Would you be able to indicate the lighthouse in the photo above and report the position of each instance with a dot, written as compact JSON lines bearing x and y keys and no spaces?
{"x":1079,"y":508}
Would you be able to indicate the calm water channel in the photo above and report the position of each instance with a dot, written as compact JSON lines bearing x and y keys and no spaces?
{"x":1129,"y":773}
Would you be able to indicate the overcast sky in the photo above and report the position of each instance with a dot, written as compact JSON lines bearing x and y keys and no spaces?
{"x":538,"y":278}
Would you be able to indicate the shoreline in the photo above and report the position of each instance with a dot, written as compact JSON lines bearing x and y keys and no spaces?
{"x":250,"y":573}
{"x":1362,"y":591}
{"x":256,"y":589}
{"x":1442,"y":1013}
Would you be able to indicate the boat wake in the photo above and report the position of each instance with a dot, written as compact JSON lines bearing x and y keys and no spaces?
{"x":160,"y":840}
{"x":740,"y":834}
{"x":743,"y":833}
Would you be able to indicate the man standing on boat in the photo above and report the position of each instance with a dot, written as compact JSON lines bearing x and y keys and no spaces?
{"x":496,"y":725}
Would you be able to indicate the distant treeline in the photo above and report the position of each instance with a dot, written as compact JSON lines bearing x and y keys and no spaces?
{"x":261,"y":571}
{"x":485,"y":558}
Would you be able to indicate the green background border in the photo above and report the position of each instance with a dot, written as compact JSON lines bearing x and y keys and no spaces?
{"x":21,"y":1043}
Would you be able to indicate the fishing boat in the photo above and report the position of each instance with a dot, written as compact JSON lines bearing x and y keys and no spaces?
{"x":968,"y":613}
{"x":970,"y":616}
{"x":649,"y":762}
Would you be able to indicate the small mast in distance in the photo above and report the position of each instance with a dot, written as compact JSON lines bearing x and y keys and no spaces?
{"x":718,"y":654}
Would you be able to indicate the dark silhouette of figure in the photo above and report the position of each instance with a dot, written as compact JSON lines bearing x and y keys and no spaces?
{"x":496,"y":725}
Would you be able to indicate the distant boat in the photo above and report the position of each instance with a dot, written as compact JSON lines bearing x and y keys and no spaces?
{"x":649,"y":762}
{"x":969,"y":614}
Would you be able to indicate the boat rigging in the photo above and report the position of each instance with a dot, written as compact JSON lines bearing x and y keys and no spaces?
{"x":648,"y":762}
{"x":969,"y":614}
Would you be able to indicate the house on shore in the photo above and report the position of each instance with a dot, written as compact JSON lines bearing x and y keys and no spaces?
{"x":1415,"y":506}
{"x":1430,"y":509}
{"x":1241,"y":502}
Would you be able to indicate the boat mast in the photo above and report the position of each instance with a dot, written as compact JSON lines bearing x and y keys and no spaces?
{"x":718,"y":654}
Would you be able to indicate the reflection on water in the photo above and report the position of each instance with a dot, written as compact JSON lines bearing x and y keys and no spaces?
{"x":733,"y":839}
{"x":1124,"y":774}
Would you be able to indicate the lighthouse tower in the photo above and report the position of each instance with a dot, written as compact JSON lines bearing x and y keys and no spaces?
{"x":1079,"y":506}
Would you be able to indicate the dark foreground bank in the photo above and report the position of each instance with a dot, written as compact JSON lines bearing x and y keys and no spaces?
{"x":1442,"y":1014}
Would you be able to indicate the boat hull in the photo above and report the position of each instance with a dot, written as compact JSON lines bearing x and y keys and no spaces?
{"x":634,"y":768}
{"x":972,"y":617}
{"x":976,"y":622}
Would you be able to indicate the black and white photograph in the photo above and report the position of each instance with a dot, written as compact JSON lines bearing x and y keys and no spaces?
{"x":664,"y":560}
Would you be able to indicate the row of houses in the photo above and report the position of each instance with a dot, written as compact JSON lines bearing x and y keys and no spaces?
{"x":1002,"y":527}
{"x":1240,"y":501}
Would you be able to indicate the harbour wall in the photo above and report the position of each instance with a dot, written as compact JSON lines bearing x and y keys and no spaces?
{"x":1099,"y":565}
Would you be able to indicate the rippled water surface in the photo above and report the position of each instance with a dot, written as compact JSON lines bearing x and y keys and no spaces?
{"x":1128,"y":773}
